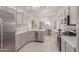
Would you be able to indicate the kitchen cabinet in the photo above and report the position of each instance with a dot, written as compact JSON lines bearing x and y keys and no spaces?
{"x":73,"y":14}
{"x":24,"y":38}
{"x":24,"y":19}
{"x":19,"y":17}
{"x":55,"y":35}
{"x":68,"y":44}
{"x":63,"y":43}
{"x":13,"y":11}
{"x":69,"y":48}
{"x":3,"y":8}
{"x":18,"y":41}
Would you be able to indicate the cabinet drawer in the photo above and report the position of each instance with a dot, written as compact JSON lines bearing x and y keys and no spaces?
{"x":18,"y":36}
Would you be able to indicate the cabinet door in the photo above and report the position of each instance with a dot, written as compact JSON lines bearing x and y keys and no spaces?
{"x":23,"y":41}
{"x":12,"y":11}
{"x":62,"y":45}
{"x":24,"y":19}
{"x":73,"y":14}
{"x":55,"y":36}
{"x":17,"y":41}
{"x":77,"y":39}
{"x":19,"y":18}
{"x":3,"y":8}
{"x":69,"y":48}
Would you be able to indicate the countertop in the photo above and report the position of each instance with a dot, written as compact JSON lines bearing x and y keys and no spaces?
{"x":25,"y":30}
{"x":71,"y":40}
{"x":55,"y":30}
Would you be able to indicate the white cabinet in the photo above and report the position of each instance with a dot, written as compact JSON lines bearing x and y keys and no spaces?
{"x":55,"y":36}
{"x":25,"y":19}
{"x":24,"y":38}
{"x":3,"y":8}
{"x":12,"y":11}
{"x":69,"y":48}
{"x":63,"y":43}
{"x":66,"y":46}
{"x":19,"y":17}
{"x":77,"y":38}
{"x":73,"y":14}
{"x":17,"y":41}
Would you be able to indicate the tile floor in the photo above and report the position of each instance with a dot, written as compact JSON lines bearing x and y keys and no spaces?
{"x":49,"y":45}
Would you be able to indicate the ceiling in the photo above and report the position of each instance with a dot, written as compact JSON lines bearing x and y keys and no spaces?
{"x":40,"y":10}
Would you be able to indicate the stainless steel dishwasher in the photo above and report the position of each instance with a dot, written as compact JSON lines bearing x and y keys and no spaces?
{"x":39,"y":36}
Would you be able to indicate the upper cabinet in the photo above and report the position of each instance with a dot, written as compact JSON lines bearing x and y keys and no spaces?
{"x":19,"y":18}
{"x":69,"y":10}
{"x":4,"y":14}
{"x":12,"y":11}
{"x":24,"y":19}
{"x":3,"y":8}
{"x":73,"y":14}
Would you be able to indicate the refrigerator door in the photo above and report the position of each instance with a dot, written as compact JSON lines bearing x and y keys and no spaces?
{"x":9,"y":28}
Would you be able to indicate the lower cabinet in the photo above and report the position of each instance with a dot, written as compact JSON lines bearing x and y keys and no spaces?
{"x":21,"y":39}
{"x":55,"y":36}
{"x":24,"y":38}
{"x":65,"y":47}
{"x":63,"y":43}
{"x":17,"y":41}
{"x":69,"y":48}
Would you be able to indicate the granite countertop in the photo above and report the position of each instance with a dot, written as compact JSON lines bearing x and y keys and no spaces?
{"x":71,"y":40}
{"x":55,"y":30}
{"x":25,"y":30}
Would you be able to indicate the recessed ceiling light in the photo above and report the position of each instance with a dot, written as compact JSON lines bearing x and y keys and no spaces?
{"x":28,"y":8}
{"x":35,"y":7}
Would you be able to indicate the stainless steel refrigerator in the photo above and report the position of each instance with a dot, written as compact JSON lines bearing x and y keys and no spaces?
{"x":7,"y":31}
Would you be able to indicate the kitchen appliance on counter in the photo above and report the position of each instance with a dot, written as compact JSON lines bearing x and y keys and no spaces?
{"x":7,"y":31}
